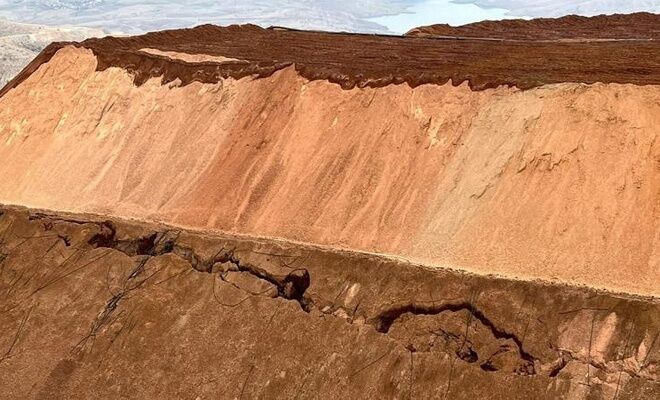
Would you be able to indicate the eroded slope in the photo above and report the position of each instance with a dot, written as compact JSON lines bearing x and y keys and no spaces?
{"x":558,"y":182}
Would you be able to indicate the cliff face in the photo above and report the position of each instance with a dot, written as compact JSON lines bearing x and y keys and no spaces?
{"x":557,"y":182}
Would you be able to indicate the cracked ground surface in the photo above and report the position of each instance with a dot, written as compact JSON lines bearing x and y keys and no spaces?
{"x":115,"y":309}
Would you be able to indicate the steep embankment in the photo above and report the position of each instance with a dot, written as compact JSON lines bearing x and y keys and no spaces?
{"x":556,"y":182}
{"x":523,"y":167}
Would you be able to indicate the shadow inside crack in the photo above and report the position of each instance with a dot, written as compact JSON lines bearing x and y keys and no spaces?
{"x":291,"y":286}
{"x":458,"y":329}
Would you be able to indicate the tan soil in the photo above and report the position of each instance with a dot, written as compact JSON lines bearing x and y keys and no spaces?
{"x":558,"y":182}
{"x":190,"y":58}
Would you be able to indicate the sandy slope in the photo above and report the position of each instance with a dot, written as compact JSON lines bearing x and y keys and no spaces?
{"x":559,"y":182}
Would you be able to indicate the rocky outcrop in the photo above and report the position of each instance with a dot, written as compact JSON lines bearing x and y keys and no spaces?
{"x":109,"y":308}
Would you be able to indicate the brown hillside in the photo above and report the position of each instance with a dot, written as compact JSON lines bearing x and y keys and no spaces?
{"x":93,"y":308}
{"x":371,"y":60}
{"x":572,"y":27}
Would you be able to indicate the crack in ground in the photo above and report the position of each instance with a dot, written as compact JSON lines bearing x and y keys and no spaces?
{"x":386,"y":319}
{"x":293,"y":286}
{"x":105,"y":317}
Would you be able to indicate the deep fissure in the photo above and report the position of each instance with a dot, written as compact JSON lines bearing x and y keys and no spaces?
{"x":384,"y":321}
{"x":292,"y":286}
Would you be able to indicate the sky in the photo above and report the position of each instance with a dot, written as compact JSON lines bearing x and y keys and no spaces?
{"x":382,"y":16}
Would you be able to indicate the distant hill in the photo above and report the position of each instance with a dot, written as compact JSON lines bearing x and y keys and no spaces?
{"x":20,"y":43}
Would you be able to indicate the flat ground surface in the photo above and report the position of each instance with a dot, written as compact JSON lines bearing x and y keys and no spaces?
{"x":572,"y":27}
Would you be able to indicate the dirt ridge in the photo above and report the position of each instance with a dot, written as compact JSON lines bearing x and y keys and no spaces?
{"x":361,"y":60}
{"x":641,"y":25}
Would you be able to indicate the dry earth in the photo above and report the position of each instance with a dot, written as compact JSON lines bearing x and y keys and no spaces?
{"x":536,"y":168}
{"x":557,"y":182}
{"x":572,"y":27}
{"x":110,"y":309}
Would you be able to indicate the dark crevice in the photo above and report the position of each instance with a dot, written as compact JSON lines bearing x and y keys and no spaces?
{"x":105,"y":238}
{"x":65,"y":239}
{"x":39,"y":216}
{"x":560,"y":365}
{"x":489,"y":367}
{"x":467,"y":354}
{"x":141,"y":246}
{"x":386,"y":319}
{"x":292,"y":286}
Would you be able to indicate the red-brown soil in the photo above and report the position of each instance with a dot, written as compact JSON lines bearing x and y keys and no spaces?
{"x":372,"y":60}
{"x":313,"y":241}
{"x":572,"y":27}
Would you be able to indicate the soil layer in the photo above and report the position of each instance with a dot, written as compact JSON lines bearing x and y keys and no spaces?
{"x":573,"y":27}
{"x":104,"y":308}
{"x":377,"y":60}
